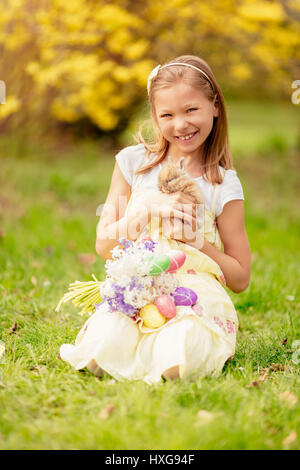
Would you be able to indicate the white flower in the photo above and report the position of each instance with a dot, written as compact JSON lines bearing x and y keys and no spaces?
{"x":116,"y":252}
{"x":165,"y":283}
{"x":131,"y":262}
{"x":106,"y":288}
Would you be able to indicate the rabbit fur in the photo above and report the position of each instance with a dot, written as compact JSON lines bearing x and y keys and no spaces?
{"x":173,"y":177}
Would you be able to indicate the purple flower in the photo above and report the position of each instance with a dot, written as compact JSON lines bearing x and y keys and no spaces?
{"x":118,"y":303}
{"x":118,"y":288}
{"x":150,"y":245}
{"x":126,"y":243}
{"x":133,"y":284}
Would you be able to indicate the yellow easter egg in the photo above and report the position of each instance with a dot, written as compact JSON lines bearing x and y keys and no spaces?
{"x":152,"y":317}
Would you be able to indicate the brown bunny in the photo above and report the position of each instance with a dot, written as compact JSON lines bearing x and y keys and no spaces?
{"x":172,"y":178}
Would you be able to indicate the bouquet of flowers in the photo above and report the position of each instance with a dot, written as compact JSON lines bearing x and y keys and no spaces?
{"x":140,"y":283}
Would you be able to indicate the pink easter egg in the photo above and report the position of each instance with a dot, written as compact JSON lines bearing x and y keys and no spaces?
{"x":184,"y":296}
{"x":177,"y":258}
{"x":166,"y":306}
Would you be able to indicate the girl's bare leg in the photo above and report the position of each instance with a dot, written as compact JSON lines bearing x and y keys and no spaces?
{"x":172,"y":373}
{"x":94,"y":368}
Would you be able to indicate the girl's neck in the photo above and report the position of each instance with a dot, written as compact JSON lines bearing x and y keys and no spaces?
{"x":193,"y":163}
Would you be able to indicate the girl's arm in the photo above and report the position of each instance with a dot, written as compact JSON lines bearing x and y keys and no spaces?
{"x":235,"y":262}
{"x":113,"y":224}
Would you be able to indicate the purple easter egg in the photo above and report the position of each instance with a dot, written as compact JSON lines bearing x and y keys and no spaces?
{"x":177,"y":258}
{"x":184,"y":296}
{"x":166,"y":306}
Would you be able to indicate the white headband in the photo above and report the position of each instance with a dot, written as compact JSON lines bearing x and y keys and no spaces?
{"x":159,"y":67}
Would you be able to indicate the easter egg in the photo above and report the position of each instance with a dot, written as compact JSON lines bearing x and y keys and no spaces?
{"x":151,"y":316}
{"x":166,"y":306}
{"x":159,"y":264}
{"x":184,"y":296}
{"x":177,"y":258}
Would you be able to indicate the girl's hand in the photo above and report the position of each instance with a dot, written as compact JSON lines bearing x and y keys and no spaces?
{"x":175,"y":205}
{"x":177,"y":210}
{"x":182,"y":218}
{"x":184,"y":232}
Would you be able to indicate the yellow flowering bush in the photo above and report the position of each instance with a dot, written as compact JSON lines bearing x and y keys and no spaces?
{"x":90,"y":59}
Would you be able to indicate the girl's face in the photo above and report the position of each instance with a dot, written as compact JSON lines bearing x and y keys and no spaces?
{"x":185,"y":118}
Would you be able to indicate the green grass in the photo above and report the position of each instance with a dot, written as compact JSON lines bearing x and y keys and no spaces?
{"x":48,"y":203}
{"x":261,"y":127}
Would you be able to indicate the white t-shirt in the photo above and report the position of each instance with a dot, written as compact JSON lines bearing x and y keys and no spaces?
{"x":131,"y":158}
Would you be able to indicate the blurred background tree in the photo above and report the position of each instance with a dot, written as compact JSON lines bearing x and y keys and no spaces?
{"x":82,"y":65}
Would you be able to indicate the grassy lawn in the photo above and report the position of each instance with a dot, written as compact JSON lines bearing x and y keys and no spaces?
{"x":48,"y":202}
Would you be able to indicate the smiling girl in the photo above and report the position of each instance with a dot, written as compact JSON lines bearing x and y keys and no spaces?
{"x":189,"y":118}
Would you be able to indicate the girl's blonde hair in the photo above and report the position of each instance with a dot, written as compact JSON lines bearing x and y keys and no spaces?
{"x":216,"y":147}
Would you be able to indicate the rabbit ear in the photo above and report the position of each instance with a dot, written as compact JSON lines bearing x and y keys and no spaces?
{"x":181,"y":163}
